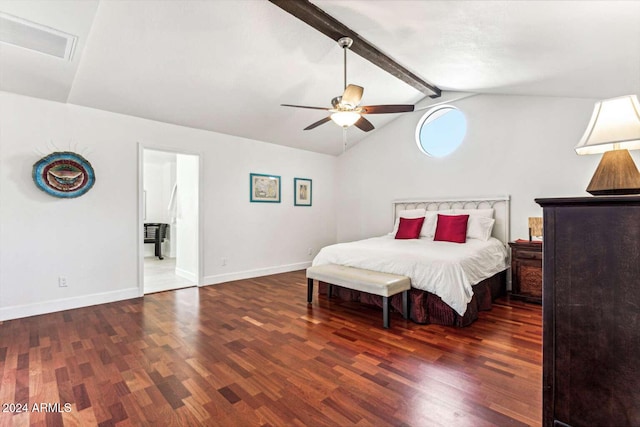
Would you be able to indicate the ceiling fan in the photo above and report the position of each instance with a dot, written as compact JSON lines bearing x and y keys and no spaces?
{"x":345,"y":111}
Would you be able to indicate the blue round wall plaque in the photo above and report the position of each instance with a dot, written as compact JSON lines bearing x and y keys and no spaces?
{"x":64,"y":174}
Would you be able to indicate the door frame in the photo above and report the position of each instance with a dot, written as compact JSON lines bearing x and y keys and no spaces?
{"x":140,"y":225}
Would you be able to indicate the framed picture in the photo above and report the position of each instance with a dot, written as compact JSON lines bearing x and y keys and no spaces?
{"x":302,"y":191}
{"x":265,"y":188}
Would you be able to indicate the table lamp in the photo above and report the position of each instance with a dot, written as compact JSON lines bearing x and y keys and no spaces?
{"x":535,"y":227}
{"x":614,"y":129}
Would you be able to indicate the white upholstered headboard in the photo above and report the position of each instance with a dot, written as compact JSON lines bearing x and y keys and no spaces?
{"x":501,"y":206}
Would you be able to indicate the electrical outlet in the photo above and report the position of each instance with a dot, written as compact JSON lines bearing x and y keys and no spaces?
{"x":310,"y":251}
{"x":223,"y":262}
{"x":62,"y":281}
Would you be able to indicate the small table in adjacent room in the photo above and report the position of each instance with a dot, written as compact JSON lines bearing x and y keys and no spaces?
{"x":526,"y":270}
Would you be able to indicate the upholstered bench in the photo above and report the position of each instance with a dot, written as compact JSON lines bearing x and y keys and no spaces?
{"x":373,"y":282}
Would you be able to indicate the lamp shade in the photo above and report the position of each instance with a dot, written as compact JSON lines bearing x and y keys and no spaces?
{"x":345,"y":118}
{"x":614,"y":125}
{"x":535,"y":226}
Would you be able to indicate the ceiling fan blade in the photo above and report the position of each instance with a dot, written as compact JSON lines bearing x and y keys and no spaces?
{"x":352,"y":95}
{"x":364,"y":124}
{"x":305,"y":106}
{"x":383,"y":109}
{"x":318,"y":123}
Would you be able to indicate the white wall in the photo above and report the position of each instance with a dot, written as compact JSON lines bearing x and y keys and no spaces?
{"x":187,"y":175}
{"x":254,"y":237}
{"x":93,"y":239}
{"x":515,"y":145}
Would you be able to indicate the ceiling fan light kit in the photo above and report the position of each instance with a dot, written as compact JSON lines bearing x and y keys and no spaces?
{"x":345,"y":118}
{"x":345,"y":111}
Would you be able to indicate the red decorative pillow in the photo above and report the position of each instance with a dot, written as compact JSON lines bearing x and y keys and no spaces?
{"x":452,"y":228}
{"x":409,"y":228}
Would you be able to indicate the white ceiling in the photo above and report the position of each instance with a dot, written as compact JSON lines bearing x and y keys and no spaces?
{"x":227,"y":65}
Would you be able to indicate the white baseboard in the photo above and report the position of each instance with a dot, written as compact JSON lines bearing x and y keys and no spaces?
{"x":19,"y":311}
{"x":185,"y":274}
{"x":249,"y":274}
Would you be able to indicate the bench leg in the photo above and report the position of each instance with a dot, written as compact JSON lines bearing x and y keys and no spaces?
{"x":309,"y":290}
{"x":385,"y":312}
{"x":405,"y":304}
{"x":158,"y":249}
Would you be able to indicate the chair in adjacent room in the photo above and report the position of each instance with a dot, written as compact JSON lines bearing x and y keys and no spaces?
{"x":156,"y":233}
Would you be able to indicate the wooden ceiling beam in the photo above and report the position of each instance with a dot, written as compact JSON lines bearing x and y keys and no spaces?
{"x":331,"y":27}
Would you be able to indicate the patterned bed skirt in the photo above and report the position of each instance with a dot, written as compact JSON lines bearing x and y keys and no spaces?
{"x":426,"y":308}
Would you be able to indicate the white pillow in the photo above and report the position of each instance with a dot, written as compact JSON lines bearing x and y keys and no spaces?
{"x":411,"y":213}
{"x":487,"y":213}
{"x":479,"y":227}
{"x":431,"y":222}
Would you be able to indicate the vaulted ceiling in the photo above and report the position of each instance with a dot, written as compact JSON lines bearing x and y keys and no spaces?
{"x":227,"y":65}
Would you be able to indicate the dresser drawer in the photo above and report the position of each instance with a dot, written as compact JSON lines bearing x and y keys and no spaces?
{"x":528,"y":255}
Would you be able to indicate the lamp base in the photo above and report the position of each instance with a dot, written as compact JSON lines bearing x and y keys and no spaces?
{"x":616,"y":174}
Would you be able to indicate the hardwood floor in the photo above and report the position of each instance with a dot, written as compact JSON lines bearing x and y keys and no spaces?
{"x":252,"y":353}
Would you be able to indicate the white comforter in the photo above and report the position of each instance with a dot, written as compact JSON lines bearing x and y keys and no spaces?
{"x":442,"y":268}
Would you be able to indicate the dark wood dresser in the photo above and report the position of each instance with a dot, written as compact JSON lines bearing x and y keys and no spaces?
{"x":591,"y":311}
{"x":526,"y":270}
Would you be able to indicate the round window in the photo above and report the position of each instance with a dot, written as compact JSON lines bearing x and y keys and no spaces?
{"x":441,"y":131}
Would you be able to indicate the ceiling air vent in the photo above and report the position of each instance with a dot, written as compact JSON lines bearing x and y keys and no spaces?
{"x":32,"y":36}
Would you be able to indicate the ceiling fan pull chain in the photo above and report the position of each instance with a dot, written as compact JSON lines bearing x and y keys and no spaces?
{"x":344,"y":139}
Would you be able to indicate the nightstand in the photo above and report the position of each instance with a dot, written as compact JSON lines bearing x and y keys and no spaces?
{"x":526,"y":270}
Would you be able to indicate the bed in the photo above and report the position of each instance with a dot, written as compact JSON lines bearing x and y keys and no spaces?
{"x":450,"y":282}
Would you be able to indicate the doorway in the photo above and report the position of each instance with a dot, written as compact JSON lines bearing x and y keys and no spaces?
{"x":170,"y":220}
